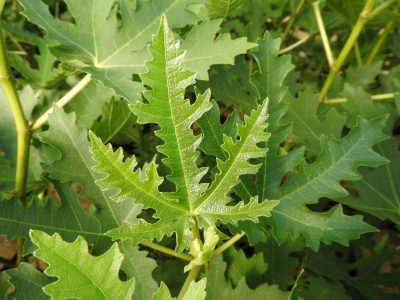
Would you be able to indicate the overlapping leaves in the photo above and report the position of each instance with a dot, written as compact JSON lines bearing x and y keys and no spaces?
{"x":192,"y":203}
{"x":100,"y":44}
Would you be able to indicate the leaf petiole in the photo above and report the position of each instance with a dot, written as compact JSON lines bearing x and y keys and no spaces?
{"x":167,"y":251}
{"x":356,"y":31}
{"x":322,"y":31}
{"x":228,"y":243}
{"x":63,"y":101}
{"x":22,"y":126}
{"x":189,"y":279}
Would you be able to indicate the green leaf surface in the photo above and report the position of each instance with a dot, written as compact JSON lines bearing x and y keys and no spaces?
{"x":162,"y":293}
{"x":320,"y":289}
{"x":28,"y":283}
{"x":99,"y":45}
{"x":377,"y":193}
{"x":240,"y":266}
{"x":231,"y":85}
{"x":369,"y":279}
{"x":221,"y":8}
{"x":116,"y":117}
{"x":69,"y":220}
{"x":176,"y":211}
{"x":213,"y":131}
{"x":196,"y":291}
{"x":204,"y":50}
{"x":281,"y":261}
{"x":73,"y":163}
{"x":218,"y":288}
{"x":81,"y":275}
{"x":337,"y":161}
{"x":88,"y":104}
{"x":139,"y":266}
{"x":309,"y":124}
{"x":359,"y":103}
{"x":273,"y":69}
{"x":47,"y":71}
{"x":5,"y":286}
{"x":269,"y":79}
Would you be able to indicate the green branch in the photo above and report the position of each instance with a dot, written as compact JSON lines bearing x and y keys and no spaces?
{"x":322,"y":31}
{"x":292,"y":17}
{"x":189,"y":279}
{"x":21,"y":124}
{"x":378,"y":97}
{"x":295,"y":45}
{"x":388,"y":29}
{"x":358,"y":27}
{"x":167,"y":251}
{"x":228,"y":243}
{"x":63,"y":101}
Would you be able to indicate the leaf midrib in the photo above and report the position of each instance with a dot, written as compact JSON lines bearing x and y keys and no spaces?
{"x":163,"y":203}
{"x":206,"y":197}
{"x":44,"y":245}
{"x":319,"y":175}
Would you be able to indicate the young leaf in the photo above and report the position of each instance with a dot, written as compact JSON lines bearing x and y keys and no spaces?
{"x":178,"y":210}
{"x":81,"y":275}
{"x":203,"y":50}
{"x":28,"y":283}
{"x":100,"y":43}
{"x":203,"y":253}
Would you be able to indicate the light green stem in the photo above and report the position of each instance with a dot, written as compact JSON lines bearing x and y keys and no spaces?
{"x":378,"y":97}
{"x":358,"y":27}
{"x":294,"y":45}
{"x":228,"y":243}
{"x":292,"y":17}
{"x":322,"y":31}
{"x":381,"y":8}
{"x":19,"y":246}
{"x":357,"y":52}
{"x":388,"y":28}
{"x":63,"y":101}
{"x":167,"y":251}
{"x":189,"y":279}
{"x":21,"y":124}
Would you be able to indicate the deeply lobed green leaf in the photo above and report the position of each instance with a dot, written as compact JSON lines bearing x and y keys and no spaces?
{"x":190,"y":203}
{"x":75,"y":267}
